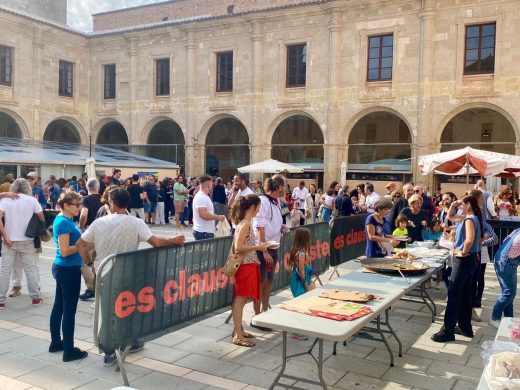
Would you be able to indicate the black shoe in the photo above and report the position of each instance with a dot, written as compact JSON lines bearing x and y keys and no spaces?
{"x":443,"y":337}
{"x":87,"y":295}
{"x":462,"y":333}
{"x":56,"y":346}
{"x":477,"y":305}
{"x":134,"y":348}
{"x":262,"y":328}
{"x":75,"y":354}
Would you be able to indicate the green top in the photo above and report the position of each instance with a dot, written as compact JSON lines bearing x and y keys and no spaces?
{"x":176,"y":195}
{"x":399,"y":232}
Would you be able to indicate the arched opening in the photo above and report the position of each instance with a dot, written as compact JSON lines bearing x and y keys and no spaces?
{"x":8,"y":126}
{"x":481,"y":128}
{"x":227,"y":148}
{"x":61,"y":130}
{"x":298,"y":140}
{"x":112,"y":133}
{"x":166,"y":142}
{"x":380,"y":150}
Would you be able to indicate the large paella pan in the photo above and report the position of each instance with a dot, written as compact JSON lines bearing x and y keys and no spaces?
{"x":393,"y":266}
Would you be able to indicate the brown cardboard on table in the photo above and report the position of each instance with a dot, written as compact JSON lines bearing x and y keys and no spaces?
{"x":346,"y":295}
{"x":326,"y":305}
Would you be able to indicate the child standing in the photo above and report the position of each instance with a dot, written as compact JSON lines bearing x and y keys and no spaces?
{"x":300,"y":267}
{"x":295,"y":215}
{"x":401,"y":223}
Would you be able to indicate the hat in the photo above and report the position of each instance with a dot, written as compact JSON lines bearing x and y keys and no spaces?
{"x":32,"y":174}
{"x":390,"y":184}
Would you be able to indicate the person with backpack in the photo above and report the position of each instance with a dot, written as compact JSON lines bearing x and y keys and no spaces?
{"x":55,"y":192}
{"x":343,"y":203}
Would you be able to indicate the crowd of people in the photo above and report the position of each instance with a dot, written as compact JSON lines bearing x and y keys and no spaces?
{"x":99,"y":217}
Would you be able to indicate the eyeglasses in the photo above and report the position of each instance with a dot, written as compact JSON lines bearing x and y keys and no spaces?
{"x":31,"y":178}
{"x":416,"y":191}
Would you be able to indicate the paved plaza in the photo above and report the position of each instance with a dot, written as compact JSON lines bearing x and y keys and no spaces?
{"x":202,"y":356}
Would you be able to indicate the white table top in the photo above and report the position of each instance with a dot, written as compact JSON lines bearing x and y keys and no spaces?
{"x":502,"y":335}
{"x":390,"y":287}
{"x":324,"y":328}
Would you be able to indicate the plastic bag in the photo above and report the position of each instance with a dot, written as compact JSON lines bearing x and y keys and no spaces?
{"x":223,"y":228}
{"x":494,"y":353}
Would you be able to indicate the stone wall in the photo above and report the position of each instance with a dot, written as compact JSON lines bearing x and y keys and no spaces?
{"x":55,"y":10}
{"x":182,"y":9}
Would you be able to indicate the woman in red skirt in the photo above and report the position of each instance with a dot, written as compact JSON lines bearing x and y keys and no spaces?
{"x":247,"y":278}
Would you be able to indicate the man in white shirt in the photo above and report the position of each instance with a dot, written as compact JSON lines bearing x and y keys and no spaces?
{"x":204,"y":216}
{"x":17,"y":214}
{"x":268,"y":224}
{"x":371,"y":198}
{"x":488,"y":208}
{"x":299,"y":194}
{"x":240,"y":188}
{"x":116,"y":233}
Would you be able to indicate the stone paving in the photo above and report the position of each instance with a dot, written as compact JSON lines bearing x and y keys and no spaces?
{"x":202,"y":356}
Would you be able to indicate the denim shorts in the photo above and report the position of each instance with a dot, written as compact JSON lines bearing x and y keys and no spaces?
{"x":150,"y":207}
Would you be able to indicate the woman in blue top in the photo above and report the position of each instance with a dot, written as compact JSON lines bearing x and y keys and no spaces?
{"x":67,"y":272}
{"x":377,"y":244}
{"x":468,"y":236}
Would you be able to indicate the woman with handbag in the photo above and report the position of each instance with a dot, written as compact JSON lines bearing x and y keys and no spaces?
{"x":247,"y":277}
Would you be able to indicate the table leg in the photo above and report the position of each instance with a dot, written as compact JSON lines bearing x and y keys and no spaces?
{"x":320,"y":365}
{"x":387,"y":319}
{"x":431,"y":300}
{"x":284,"y":361}
{"x":385,"y":341}
{"x":425,"y":295}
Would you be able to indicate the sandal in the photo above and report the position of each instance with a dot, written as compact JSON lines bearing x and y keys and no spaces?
{"x":244,"y":334}
{"x":243,"y":342}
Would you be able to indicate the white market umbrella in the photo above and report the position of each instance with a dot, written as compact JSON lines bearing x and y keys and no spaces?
{"x":90,"y":167}
{"x":270,"y":166}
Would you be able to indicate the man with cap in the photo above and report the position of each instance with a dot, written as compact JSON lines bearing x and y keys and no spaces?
{"x":37,"y":190}
{"x":390,"y":187}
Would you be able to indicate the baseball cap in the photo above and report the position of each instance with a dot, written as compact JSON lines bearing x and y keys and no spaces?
{"x":390,"y":184}
{"x":32,"y":174}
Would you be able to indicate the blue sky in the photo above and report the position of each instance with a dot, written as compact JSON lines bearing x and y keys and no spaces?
{"x":79,"y":11}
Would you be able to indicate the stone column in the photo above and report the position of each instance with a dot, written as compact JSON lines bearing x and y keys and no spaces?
{"x":257,"y":129}
{"x":332,"y":134}
{"x":259,"y":153}
{"x":195,"y":152}
{"x":133,"y":128}
{"x":37,"y":91}
{"x":425,"y":104}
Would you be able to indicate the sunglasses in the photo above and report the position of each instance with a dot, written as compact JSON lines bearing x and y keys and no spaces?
{"x":416,"y":191}
{"x":31,"y":178}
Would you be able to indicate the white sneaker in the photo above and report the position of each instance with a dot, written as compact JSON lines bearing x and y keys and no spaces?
{"x":475,"y":316}
{"x":494,"y":323}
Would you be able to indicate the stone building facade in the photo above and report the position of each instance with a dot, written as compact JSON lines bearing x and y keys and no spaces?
{"x":54,"y":10}
{"x":377,"y":128}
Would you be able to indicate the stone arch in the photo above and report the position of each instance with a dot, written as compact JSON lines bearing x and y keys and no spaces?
{"x":476,"y":105}
{"x":152,"y":123}
{"x":286,"y":115}
{"x":208,"y":125}
{"x":22,"y":129}
{"x":370,"y":110}
{"x":119,"y":134}
{"x":226,"y":142}
{"x":65,"y":129}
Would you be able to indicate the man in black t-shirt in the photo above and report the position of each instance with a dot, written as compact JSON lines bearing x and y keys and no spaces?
{"x":136,"y":198}
{"x":90,"y":206}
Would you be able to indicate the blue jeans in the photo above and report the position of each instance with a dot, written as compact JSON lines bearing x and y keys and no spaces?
{"x":202,"y":235}
{"x":507,"y":279}
{"x":68,"y":285}
{"x":326,"y":214}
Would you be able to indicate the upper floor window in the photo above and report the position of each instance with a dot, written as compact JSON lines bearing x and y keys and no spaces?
{"x":6,"y":54}
{"x":66,"y":79}
{"x":110,"y":81}
{"x":296,"y":65}
{"x":480,"y":49}
{"x":380,"y":57}
{"x":225,"y":71}
{"x":162,"y":77}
